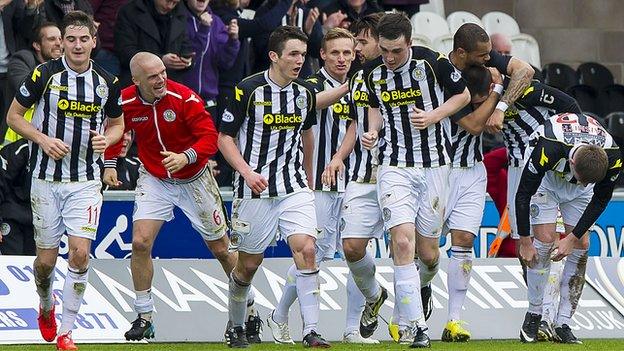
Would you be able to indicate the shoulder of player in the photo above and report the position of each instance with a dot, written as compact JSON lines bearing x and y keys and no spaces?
{"x":305,"y":84}
{"x":252,"y":82}
{"x":425,"y":53}
{"x":371,"y":67}
{"x":107,"y":76}
{"x":47,"y":69}
{"x":316,"y":80}
{"x":181,"y":92}
{"x":357,"y":79}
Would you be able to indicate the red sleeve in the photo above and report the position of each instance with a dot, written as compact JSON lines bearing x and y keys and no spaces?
{"x":202,"y":128}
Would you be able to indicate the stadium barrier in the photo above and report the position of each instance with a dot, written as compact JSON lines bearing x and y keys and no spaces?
{"x":191,"y":300}
{"x":178,"y":239}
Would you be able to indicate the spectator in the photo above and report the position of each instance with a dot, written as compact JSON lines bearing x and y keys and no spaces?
{"x":299,"y":16}
{"x":344,"y":12}
{"x":410,"y":7}
{"x":127,"y":166}
{"x":261,"y":23}
{"x":156,"y":26}
{"x":16,"y":228}
{"x":216,"y":46}
{"x":18,"y":17}
{"x":46,"y":46}
{"x":55,"y":10}
{"x":105,"y":13}
{"x":501,"y":43}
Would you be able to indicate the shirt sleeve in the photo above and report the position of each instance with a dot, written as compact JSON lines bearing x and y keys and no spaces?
{"x":31,"y":89}
{"x":542,"y":95}
{"x":373,"y":101}
{"x":499,"y":61}
{"x":603,"y":191}
{"x":112,"y":108}
{"x":450,"y":78}
{"x":311,"y":116}
{"x":543,"y":158}
{"x":465,"y":111}
{"x":202,"y":128}
{"x":235,"y":113}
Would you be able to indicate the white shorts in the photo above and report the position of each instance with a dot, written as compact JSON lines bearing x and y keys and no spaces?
{"x":413,"y":195}
{"x":464,"y":207}
{"x":199,"y":199}
{"x":260,"y":222}
{"x":59,"y":207}
{"x":327,"y":204}
{"x":513,"y":181}
{"x":555,"y":194}
{"x":360,"y":215}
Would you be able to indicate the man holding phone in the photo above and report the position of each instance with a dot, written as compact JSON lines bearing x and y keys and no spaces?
{"x":216,"y":45}
{"x":156,"y":26}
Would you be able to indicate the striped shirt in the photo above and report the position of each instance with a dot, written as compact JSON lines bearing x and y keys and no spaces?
{"x":421,"y":82}
{"x":362,"y":166}
{"x":330,"y":130}
{"x":537,"y":104}
{"x":267,"y":121}
{"x":466,"y":148}
{"x":67,"y":105}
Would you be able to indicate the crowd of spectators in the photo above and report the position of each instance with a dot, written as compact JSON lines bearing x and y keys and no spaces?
{"x":208,"y":45}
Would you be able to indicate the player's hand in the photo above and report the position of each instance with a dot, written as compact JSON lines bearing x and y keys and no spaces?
{"x":212,"y":165}
{"x":497,"y":78}
{"x":110,"y":178}
{"x":54,"y":148}
{"x":232,"y":29}
{"x":422,"y":119}
{"x":565,"y":247}
{"x":206,"y":19}
{"x":335,"y":167}
{"x":527,"y":251}
{"x":173,"y":162}
{"x":255,"y":181}
{"x":98,"y":142}
{"x":494,"y":124}
{"x":369,"y":140}
{"x":310,"y":20}
{"x":174,"y":61}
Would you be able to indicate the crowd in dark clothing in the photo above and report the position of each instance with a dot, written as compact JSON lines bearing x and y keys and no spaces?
{"x":209,"y":46}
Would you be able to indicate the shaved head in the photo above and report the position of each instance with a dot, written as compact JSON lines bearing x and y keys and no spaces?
{"x":150,"y":75}
{"x":140,"y":60}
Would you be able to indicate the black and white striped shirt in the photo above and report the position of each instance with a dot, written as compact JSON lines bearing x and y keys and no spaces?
{"x":67,"y":105}
{"x":362,"y":166}
{"x":267,"y":121}
{"x":538,"y":103}
{"x":330,"y":130}
{"x":421,"y":82}
{"x":466,"y":148}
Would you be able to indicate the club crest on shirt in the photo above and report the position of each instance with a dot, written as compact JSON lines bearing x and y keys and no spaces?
{"x":169,"y":115}
{"x":227,"y":116}
{"x":24,"y":91}
{"x":102,"y":91}
{"x":455,"y":76}
{"x":301,"y":101}
{"x":419,"y":74}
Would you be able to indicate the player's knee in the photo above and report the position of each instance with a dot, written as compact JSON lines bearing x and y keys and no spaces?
{"x":403,"y":246}
{"x":78,"y":257}
{"x":43,"y":269}
{"x":221,"y":253}
{"x":430,"y":259}
{"x":141,"y":244}
{"x":353,"y":252}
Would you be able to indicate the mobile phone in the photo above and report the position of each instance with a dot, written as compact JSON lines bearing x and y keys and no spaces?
{"x":188,"y":55}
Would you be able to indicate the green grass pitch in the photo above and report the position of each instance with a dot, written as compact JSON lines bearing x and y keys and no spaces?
{"x":493,"y":345}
